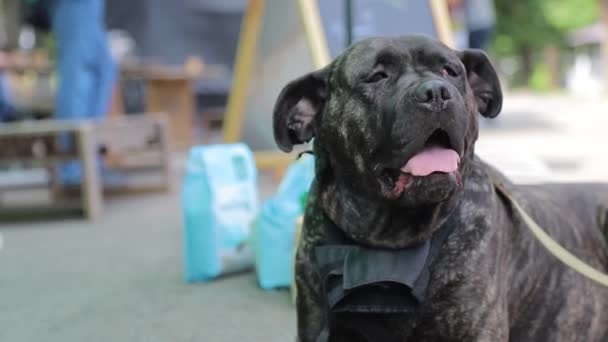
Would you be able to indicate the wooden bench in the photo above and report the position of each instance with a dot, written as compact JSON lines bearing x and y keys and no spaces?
{"x":33,"y":144}
{"x":131,"y":145}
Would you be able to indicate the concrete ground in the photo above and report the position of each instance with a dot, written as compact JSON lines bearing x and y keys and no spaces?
{"x":548,"y":138}
{"x":120,"y":279}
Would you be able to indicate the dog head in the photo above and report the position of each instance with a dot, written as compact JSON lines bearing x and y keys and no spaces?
{"x":395,"y":118}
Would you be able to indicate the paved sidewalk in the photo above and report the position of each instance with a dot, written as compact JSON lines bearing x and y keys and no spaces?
{"x":564,"y":136}
{"x":120,"y":279}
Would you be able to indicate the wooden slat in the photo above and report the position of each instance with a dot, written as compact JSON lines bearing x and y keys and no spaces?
{"x":42,"y":127}
{"x":245,"y":59}
{"x":35,"y":161}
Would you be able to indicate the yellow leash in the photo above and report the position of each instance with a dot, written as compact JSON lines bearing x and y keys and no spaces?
{"x":551,"y":245}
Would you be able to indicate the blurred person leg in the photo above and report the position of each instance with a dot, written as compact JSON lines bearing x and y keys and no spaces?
{"x":8,"y":111}
{"x":480,"y":38}
{"x":105,"y":75}
{"x":86,"y":70}
{"x":480,"y":18}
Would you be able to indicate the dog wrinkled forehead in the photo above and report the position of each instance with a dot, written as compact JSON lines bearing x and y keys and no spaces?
{"x":404,"y":51}
{"x":383,"y":73}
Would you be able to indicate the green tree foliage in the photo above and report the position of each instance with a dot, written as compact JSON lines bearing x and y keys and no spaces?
{"x":522,"y":24}
{"x":537,"y":23}
{"x":565,"y":15}
{"x":525,"y":27}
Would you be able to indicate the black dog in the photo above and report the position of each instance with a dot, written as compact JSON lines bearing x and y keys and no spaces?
{"x":405,"y":236}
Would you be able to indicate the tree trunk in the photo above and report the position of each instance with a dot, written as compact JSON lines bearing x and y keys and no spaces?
{"x":527,"y":63}
{"x":552,"y":58}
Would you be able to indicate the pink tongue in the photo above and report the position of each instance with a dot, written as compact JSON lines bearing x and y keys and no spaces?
{"x":432,"y":159}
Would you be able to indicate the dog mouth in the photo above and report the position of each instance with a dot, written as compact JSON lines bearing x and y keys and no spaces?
{"x":437,"y":156}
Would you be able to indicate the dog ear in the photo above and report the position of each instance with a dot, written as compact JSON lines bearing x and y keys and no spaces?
{"x":484,"y":82}
{"x":297,"y":107}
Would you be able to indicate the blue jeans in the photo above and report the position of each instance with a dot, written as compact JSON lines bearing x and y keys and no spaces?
{"x":85,"y":66}
{"x":480,"y":38}
{"x":86,"y":69}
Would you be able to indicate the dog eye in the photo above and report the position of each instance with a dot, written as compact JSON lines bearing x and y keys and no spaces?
{"x":376,"y":77}
{"x":448,"y":70}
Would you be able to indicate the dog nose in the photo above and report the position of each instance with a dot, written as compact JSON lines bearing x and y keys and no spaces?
{"x":432,"y":92}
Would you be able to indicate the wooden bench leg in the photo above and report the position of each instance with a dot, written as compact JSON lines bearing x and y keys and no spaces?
{"x":91,"y":186}
{"x":165,"y":138}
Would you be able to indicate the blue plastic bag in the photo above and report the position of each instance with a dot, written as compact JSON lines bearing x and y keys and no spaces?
{"x":219,"y":201}
{"x":274,"y":230}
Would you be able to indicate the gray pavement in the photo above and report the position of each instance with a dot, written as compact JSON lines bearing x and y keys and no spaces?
{"x":120,"y":279}
{"x":548,"y":138}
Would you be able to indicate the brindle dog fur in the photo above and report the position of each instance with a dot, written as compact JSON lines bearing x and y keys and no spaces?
{"x":369,"y":111}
